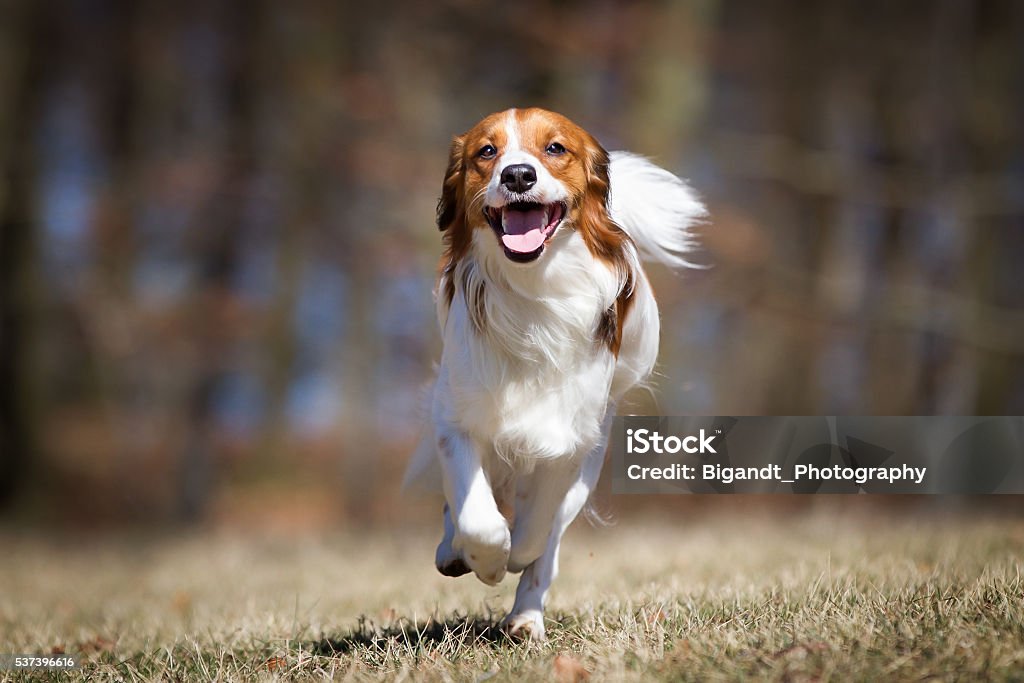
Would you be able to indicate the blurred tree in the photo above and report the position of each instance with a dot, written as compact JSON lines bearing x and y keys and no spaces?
{"x":24,"y":37}
{"x":236,"y":26}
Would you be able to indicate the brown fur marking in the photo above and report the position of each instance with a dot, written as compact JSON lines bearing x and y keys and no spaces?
{"x":474,"y":297}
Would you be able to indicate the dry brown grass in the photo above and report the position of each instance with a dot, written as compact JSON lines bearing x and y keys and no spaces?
{"x":815,"y":597}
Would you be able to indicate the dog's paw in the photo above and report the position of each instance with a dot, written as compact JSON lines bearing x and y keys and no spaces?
{"x":484,"y":546}
{"x":528,"y":625}
{"x":448,"y":561}
{"x":453,"y":567}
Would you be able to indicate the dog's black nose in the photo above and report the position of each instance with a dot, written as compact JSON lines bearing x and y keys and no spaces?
{"x":518,"y":177}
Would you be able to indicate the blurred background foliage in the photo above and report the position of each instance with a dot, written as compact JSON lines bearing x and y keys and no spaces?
{"x":217,"y":246}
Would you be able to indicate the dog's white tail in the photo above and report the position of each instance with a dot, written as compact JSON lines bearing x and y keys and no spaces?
{"x":654,"y":207}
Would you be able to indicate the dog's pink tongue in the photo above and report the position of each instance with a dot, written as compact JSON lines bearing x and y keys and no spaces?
{"x":524,"y":230}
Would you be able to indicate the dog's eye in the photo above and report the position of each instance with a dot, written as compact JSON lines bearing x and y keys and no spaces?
{"x":487,"y":152}
{"x":555,"y":149}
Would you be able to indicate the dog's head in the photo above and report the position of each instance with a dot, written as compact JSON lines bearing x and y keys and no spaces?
{"x":524,"y":175}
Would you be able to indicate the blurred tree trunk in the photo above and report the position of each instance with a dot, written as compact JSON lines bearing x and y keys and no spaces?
{"x":290,"y":158}
{"x":19,"y":292}
{"x":220,"y":243}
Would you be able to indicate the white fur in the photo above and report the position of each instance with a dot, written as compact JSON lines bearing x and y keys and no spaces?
{"x":655,"y":207}
{"x":522,"y":405}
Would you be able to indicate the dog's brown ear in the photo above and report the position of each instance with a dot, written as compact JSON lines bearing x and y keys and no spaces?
{"x":606,"y":241}
{"x":601,"y":235}
{"x":449,"y":206}
{"x":596,"y":162}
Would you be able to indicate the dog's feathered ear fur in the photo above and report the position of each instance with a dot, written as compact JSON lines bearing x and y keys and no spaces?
{"x":449,"y":206}
{"x":601,"y":234}
{"x":596,"y":162}
{"x":606,"y":241}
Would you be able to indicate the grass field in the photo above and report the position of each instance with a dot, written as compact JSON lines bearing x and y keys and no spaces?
{"x":808,"y":597}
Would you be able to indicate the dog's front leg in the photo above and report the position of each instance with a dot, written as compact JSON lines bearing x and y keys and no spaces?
{"x":447,"y":560}
{"x":481,"y":534}
{"x":526,"y":618}
{"x":539,"y":498}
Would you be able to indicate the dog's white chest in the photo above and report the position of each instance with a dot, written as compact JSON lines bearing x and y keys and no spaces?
{"x":540,"y":393}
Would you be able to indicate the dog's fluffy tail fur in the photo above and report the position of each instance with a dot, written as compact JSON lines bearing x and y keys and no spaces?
{"x":654,"y":207}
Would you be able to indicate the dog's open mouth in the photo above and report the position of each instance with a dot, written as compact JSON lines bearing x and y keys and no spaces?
{"x":523,"y":228}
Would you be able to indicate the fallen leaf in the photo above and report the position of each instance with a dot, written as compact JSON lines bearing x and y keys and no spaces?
{"x":568,"y":669}
{"x":656,"y":617}
{"x":181,"y":602}
{"x":97,"y":644}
